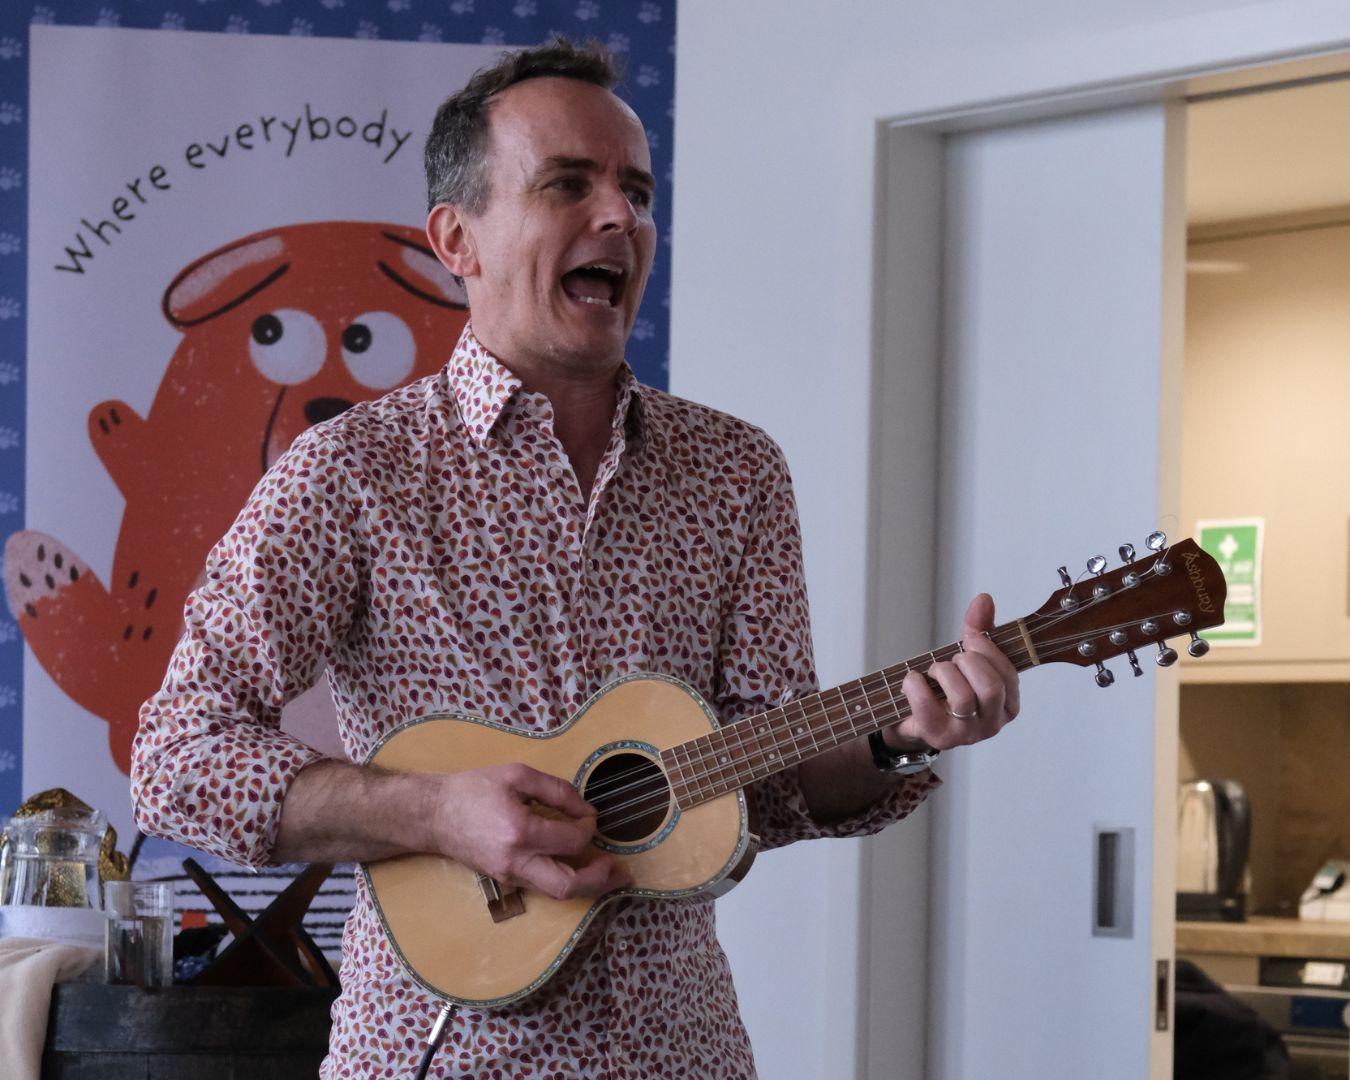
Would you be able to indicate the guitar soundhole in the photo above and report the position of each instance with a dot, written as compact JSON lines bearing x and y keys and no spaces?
{"x":631,"y":796}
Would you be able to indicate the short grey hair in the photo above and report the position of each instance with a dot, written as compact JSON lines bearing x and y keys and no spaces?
{"x":456,"y":150}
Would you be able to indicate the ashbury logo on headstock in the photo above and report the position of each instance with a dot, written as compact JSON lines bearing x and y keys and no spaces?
{"x":1193,"y":571}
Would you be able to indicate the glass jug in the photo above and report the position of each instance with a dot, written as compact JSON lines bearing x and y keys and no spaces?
{"x":50,"y":859}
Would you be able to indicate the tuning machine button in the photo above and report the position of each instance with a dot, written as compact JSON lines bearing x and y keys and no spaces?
{"x":1156,"y":540}
{"x":1134,"y":662}
{"x":1103,"y":678}
{"x":1182,"y":618}
{"x":1118,"y":637}
{"x":1087,"y":648}
{"x":1167,"y":656}
{"x":1149,"y":628}
{"x":1097,"y":565}
{"x":1198,"y":646}
{"x":1126,"y":553}
{"x":1064,"y":577}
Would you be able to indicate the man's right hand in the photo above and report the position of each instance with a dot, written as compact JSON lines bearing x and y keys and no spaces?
{"x":516,"y":824}
{"x":524,"y":827}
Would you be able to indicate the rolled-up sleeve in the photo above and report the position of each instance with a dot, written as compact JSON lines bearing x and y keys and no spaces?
{"x":765,"y":660}
{"x":210,"y":765}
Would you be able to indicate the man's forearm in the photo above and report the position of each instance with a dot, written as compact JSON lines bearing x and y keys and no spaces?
{"x":842,"y":783}
{"x":335,"y":811}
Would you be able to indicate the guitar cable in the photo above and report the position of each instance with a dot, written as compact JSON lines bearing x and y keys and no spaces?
{"x":448,"y":1012}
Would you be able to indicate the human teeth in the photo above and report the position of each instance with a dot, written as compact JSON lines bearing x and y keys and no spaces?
{"x":592,"y":300}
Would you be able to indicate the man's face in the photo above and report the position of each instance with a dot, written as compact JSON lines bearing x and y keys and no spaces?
{"x":565,"y":243}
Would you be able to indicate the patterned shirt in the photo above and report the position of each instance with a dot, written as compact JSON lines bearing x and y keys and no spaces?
{"x":433,"y":551}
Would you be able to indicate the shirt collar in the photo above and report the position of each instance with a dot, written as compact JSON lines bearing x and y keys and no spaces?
{"x":483,"y":387}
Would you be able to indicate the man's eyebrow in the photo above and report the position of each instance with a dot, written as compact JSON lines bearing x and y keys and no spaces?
{"x":628,"y":172}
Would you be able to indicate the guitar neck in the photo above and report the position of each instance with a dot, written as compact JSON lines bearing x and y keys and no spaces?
{"x":738,"y":754}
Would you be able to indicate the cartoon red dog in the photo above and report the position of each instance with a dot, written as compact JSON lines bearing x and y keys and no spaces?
{"x":281,"y":330}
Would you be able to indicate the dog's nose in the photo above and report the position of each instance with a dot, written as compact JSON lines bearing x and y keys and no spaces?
{"x":325,"y":408}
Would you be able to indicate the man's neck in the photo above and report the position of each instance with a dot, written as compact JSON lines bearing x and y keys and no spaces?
{"x":583,"y":407}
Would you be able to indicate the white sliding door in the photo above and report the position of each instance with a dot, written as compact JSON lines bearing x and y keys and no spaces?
{"x":1063,"y":253}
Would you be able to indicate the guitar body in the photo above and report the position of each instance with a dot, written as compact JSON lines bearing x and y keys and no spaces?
{"x":441,"y":917}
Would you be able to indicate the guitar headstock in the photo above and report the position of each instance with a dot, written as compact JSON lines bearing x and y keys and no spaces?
{"x":1178,"y":589}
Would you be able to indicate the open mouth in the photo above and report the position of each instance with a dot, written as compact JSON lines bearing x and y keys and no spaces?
{"x":599,"y":284}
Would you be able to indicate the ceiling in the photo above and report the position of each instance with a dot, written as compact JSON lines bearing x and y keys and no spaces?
{"x":1262,"y":154}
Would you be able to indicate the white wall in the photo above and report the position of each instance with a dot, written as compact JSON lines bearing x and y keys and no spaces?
{"x":771,"y":319}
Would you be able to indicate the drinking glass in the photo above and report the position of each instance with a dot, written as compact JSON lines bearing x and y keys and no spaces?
{"x":139,"y":947}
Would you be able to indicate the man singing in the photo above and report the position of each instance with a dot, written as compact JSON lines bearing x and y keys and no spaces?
{"x":502,"y":539}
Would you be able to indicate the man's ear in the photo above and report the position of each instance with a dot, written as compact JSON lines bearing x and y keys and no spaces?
{"x":452,"y":240}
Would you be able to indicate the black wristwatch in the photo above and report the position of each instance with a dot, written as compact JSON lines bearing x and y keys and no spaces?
{"x":898,"y":762}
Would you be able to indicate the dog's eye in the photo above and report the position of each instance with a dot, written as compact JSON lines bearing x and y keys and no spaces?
{"x":287,"y":346}
{"x":379,"y":349}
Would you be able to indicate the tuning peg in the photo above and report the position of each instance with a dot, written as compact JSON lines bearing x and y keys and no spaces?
{"x":1064,"y":576}
{"x":1126,"y":553}
{"x":1167,"y":656}
{"x":1104,"y":677}
{"x":1097,"y":565}
{"x":1156,"y":540}
{"x":1134,"y":662}
{"x":1198,"y":646}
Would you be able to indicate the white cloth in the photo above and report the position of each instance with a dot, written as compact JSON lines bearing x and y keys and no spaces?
{"x":29,"y":968}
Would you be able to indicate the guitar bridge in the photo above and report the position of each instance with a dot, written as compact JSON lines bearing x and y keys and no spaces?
{"x":501,"y":905}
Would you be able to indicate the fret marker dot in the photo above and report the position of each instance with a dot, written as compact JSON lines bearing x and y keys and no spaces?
{"x":723,"y":759}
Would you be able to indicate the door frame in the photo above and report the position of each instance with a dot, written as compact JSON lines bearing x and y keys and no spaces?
{"x":906,"y":338}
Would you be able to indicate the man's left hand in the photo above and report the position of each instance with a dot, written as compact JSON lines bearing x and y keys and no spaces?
{"x":980,"y":687}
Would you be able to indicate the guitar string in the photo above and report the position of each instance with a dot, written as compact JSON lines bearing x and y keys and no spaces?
{"x":857,"y":695}
{"x":658,"y":799}
{"x":1011,"y":635}
{"x":901,"y":711}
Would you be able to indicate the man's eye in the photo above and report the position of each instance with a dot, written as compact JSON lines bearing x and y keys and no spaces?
{"x":640,"y":196}
{"x":569,"y":183}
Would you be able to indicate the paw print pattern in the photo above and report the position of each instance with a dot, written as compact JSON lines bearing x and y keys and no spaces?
{"x":43,"y":16}
{"x":643,"y":329}
{"x":649,"y":12}
{"x":237,"y":25}
{"x":461,"y":7}
{"x":648,"y":75}
{"x":619,"y":43}
{"x":333,"y":4}
{"x":523,"y":9}
{"x":8,"y":697}
{"x":268,"y":3}
{"x":653,"y":139}
{"x":10,"y":48}
{"x":399,"y":5}
{"x":587,"y":9}
{"x":10,"y":179}
{"x":9,"y":502}
{"x":10,"y":244}
{"x":9,"y":631}
{"x":431,"y":32}
{"x":9,"y":374}
{"x":10,"y":113}
{"x":494,"y":35}
{"x":301,"y":28}
{"x":7,"y":761}
{"x":173,"y":21}
{"x":108,"y":17}
{"x":9,"y":438}
{"x":10,"y":308}
{"x":367,"y":30}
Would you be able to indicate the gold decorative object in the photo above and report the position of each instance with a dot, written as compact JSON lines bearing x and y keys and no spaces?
{"x":112,"y":864}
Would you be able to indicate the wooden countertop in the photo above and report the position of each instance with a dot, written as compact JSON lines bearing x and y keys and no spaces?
{"x":1267,"y":935}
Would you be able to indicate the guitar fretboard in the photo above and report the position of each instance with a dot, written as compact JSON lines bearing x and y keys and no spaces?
{"x":738,"y":754}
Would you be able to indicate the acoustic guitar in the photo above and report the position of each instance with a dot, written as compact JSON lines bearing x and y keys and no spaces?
{"x":667,"y":781}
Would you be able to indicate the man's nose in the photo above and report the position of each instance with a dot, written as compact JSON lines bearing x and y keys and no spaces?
{"x":616,"y":211}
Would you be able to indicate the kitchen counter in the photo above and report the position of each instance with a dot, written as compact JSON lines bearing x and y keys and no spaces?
{"x":1266,"y":935}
